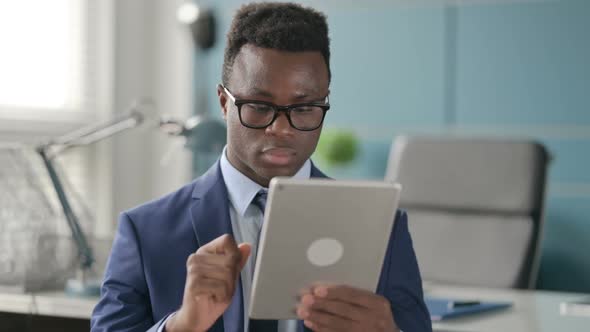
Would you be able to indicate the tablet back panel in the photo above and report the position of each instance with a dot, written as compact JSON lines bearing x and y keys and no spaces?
{"x":320,"y":231}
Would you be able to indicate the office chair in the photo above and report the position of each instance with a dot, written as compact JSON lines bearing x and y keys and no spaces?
{"x":475,"y":207}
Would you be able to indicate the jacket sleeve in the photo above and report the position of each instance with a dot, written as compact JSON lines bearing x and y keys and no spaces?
{"x":124,"y":304}
{"x":400,"y":280}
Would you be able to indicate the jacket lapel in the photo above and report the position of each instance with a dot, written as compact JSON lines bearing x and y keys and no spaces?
{"x":210,"y":213}
{"x":210,"y":209}
{"x":316,"y":173}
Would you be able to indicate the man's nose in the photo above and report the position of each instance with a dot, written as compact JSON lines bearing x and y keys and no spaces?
{"x":281,"y":125}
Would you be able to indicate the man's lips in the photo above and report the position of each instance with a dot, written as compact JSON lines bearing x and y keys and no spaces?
{"x":279,"y":156}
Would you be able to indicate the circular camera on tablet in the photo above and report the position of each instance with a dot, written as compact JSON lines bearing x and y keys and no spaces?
{"x":325,"y":252}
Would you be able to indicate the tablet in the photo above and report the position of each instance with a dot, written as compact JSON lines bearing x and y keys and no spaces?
{"x":320,"y":230}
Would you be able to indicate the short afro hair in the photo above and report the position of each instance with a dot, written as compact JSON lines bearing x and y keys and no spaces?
{"x":281,"y":26}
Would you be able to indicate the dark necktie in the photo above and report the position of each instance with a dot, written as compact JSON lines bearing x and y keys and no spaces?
{"x":260,"y":200}
{"x":259,"y":325}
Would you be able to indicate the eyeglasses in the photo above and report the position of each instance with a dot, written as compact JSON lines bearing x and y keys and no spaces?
{"x":257,"y":114}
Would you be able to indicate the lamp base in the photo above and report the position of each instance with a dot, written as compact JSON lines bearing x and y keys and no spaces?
{"x":83,"y":288}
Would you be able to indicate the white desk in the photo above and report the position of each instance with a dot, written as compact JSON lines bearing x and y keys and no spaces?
{"x":55,"y":304}
{"x":536,"y":311}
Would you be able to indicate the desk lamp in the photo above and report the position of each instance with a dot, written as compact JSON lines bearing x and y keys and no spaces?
{"x":83,"y":285}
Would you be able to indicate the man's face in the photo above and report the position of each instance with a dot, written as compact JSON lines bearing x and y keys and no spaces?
{"x":282,"y":78}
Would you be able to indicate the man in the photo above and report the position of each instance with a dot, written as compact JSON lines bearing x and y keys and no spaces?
{"x":176,"y":264}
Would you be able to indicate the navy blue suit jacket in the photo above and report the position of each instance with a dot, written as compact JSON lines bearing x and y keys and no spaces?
{"x":146,"y":271}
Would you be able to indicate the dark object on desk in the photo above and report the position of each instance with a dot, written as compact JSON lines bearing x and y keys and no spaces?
{"x":447,"y":308}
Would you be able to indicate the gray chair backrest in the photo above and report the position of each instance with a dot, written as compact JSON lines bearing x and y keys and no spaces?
{"x":475,"y":207}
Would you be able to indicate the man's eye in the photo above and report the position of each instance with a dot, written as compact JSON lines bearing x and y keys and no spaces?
{"x":306,"y":110}
{"x":260,"y":108}
{"x":303,"y":109}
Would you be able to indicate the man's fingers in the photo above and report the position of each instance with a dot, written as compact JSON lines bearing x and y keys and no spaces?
{"x":212,"y":271}
{"x":214,"y":260}
{"x":220,"y":290}
{"x":225,"y":244}
{"x":344,"y":310}
{"x":233,"y":263}
{"x":202,"y":279}
{"x":245,"y":250}
{"x":356,"y":296}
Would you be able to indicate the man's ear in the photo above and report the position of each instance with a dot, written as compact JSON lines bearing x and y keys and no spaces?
{"x":222,"y":101}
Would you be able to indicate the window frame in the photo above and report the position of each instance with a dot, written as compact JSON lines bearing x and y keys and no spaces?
{"x":31,"y":124}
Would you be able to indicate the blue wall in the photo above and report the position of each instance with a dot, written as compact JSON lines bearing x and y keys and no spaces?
{"x":527,"y":67}
{"x":507,"y":69}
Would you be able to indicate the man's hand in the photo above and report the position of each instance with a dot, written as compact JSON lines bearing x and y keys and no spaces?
{"x":343,"y":308}
{"x":211,"y":276}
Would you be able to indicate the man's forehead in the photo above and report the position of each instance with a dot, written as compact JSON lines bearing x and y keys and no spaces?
{"x":258,"y":70}
{"x":302,"y":93}
{"x":252,"y":52}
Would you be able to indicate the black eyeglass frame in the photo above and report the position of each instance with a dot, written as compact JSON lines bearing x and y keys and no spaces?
{"x":276,"y":108}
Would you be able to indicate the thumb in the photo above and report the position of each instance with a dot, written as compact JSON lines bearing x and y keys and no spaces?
{"x":245,"y":250}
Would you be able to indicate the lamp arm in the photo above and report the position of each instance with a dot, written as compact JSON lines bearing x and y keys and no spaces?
{"x":84,"y":136}
{"x":132,"y":118}
{"x":84,"y":250}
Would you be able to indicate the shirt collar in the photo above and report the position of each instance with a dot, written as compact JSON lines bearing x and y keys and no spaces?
{"x":241,"y":189}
